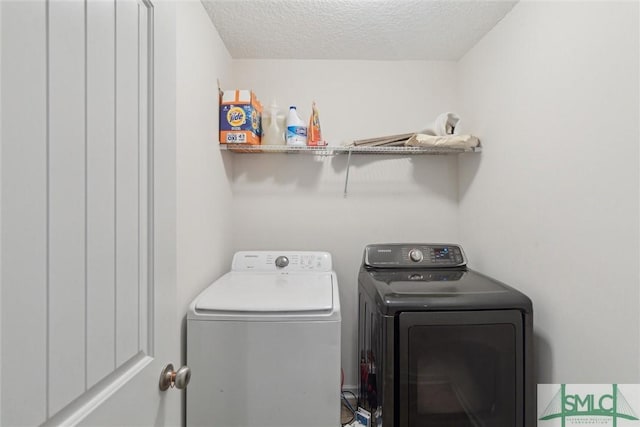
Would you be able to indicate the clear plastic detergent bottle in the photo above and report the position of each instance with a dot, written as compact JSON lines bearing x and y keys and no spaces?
{"x":273,"y":134}
{"x":296,"y":129}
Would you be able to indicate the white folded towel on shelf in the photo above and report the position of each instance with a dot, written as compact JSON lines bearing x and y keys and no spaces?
{"x":442,"y":133}
{"x":448,"y":141}
{"x":444,"y":124}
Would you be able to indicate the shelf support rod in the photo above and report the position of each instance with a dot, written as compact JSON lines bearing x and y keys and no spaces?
{"x":346,"y":179}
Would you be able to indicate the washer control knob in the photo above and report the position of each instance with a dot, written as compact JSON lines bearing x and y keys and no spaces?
{"x":415,"y":255}
{"x":282,"y":261}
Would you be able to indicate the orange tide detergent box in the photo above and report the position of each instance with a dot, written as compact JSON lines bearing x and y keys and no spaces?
{"x":240,"y":117}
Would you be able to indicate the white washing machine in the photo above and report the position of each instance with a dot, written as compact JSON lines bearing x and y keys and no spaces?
{"x":263,"y":344}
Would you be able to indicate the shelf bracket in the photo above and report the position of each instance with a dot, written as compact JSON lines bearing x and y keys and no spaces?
{"x":346,"y":179}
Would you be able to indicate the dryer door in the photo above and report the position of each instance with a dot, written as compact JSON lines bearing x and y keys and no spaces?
{"x":461,"y":368}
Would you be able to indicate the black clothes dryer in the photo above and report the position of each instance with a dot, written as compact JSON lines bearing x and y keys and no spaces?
{"x":439,"y":344}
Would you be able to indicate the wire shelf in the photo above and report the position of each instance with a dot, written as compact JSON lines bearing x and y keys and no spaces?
{"x":341,"y":150}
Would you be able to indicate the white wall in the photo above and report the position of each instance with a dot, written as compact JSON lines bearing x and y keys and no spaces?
{"x":546,"y":90}
{"x":296,"y":202}
{"x":551,"y":205}
{"x":203,"y":188}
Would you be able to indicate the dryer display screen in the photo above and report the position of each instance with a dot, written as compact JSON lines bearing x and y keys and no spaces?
{"x":441,"y":253}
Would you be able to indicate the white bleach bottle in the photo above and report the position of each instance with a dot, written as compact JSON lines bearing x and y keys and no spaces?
{"x":296,"y":129}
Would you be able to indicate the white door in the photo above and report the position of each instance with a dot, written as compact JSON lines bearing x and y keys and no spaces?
{"x":87,"y":212}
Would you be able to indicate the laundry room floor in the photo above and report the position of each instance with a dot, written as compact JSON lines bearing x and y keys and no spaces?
{"x":345,"y":414}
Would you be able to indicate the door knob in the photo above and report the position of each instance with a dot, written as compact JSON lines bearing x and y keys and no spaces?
{"x":178,"y":379}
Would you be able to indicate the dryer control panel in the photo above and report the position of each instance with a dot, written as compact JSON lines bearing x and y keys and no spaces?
{"x":281,"y":261}
{"x":414,"y":255}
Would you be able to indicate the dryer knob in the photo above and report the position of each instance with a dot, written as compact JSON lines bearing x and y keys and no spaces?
{"x":282,"y":261}
{"x":415,"y":255}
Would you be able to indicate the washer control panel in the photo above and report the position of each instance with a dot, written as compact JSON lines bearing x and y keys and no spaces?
{"x":282,"y":261}
{"x":414,"y":255}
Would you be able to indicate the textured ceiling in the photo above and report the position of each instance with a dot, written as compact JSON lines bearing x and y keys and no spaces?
{"x":353,"y":29}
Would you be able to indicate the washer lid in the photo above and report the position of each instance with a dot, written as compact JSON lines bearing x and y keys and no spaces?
{"x":257,"y":292}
